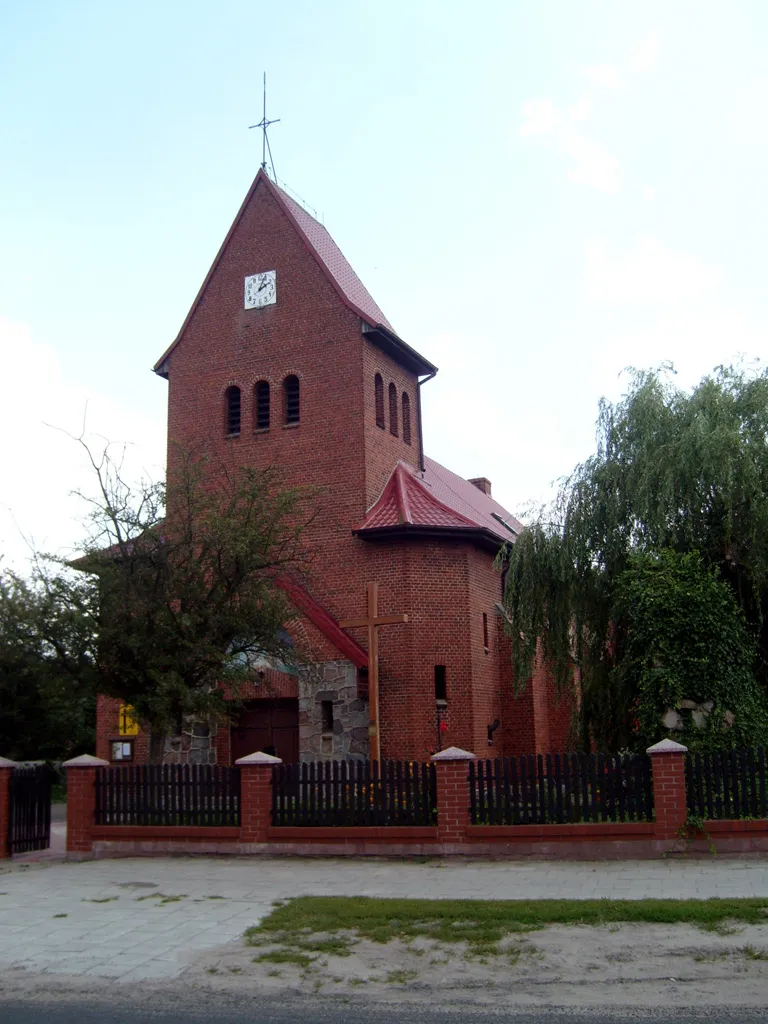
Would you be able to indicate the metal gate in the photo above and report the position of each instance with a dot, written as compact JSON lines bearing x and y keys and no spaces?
{"x":30,"y":806}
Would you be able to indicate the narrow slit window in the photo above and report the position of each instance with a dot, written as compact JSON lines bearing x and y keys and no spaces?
{"x":393,"y":410}
{"x":441,"y":688}
{"x":262,"y":405}
{"x":233,"y":411}
{"x":485,"y":631}
{"x":406,"y":418}
{"x":378,"y":385}
{"x":292,"y":404}
{"x":326,"y":711}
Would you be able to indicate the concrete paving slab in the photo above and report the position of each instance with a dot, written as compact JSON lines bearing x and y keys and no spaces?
{"x":133,"y":938}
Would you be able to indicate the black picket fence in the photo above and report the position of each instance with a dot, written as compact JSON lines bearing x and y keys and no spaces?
{"x":30,"y":808}
{"x":561,"y":788}
{"x":341,"y":793}
{"x":727,"y":784}
{"x":170,"y":794}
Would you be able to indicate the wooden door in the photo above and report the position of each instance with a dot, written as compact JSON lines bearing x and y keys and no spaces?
{"x":268,"y":725}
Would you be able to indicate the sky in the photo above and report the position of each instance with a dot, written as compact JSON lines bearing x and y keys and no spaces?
{"x":537,"y":194}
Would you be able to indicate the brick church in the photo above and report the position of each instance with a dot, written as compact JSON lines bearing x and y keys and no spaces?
{"x":286,"y":358}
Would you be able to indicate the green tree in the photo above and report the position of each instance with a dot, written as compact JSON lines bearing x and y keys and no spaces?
{"x":677,"y":471}
{"x":686,"y":654}
{"x":173,"y":608}
{"x":47,"y":704}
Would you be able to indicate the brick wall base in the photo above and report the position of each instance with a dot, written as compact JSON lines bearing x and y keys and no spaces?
{"x":608,"y":848}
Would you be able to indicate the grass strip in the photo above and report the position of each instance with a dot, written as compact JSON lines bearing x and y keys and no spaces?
{"x":480,"y":922}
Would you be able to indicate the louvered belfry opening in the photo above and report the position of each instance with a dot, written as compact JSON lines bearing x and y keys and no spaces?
{"x":393,"y":410}
{"x":291,"y":399}
{"x":262,"y":405}
{"x":378,"y":384}
{"x":233,"y":407}
{"x":406,"y":418}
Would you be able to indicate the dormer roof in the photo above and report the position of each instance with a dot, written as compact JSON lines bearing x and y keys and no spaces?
{"x":437,"y":501}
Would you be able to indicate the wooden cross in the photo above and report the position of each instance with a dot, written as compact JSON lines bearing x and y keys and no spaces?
{"x":372,"y":621}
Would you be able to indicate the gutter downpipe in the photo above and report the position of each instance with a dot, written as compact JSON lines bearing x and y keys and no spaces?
{"x":418,"y":413}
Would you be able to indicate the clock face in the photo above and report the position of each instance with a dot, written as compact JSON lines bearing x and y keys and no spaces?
{"x":261,"y":289}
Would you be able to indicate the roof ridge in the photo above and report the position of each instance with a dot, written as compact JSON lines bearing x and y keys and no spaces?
{"x":402,"y":494}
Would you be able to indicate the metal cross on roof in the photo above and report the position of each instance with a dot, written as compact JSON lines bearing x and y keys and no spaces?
{"x":264,"y":124}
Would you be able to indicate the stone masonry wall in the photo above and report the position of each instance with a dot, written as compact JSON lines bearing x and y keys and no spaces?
{"x":334,"y":681}
{"x":196,"y":744}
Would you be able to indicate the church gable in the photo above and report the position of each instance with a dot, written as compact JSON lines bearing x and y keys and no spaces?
{"x":268,"y":275}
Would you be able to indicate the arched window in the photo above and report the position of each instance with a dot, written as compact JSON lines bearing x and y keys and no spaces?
{"x":406,"y":418}
{"x":393,"y":409}
{"x":232,"y":401}
{"x":262,"y":405}
{"x":379,"y":389}
{"x":291,"y":402}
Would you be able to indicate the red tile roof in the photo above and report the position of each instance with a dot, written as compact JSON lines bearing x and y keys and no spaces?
{"x":334,"y":261}
{"x":437,"y":499}
{"x":324,"y":621}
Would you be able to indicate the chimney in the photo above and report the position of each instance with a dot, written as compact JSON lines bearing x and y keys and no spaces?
{"x":482,"y":483}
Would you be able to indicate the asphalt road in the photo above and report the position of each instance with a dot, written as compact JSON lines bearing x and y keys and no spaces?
{"x":81,"y":1010}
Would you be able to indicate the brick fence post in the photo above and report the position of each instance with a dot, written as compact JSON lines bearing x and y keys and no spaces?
{"x":452,"y":776}
{"x":81,"y":803}
{"x":256,"y":796}
{"x":669,"y":792}
{"x":6,"y":767}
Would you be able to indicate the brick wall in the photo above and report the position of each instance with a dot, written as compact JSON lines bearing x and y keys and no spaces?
{"x":107,"y":729}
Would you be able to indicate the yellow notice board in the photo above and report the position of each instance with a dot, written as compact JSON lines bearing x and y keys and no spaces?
{"x":127,"y":723}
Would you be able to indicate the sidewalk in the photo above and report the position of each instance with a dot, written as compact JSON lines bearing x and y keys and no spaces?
{"x":107,"y":918}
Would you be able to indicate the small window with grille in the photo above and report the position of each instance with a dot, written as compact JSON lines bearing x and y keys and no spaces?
{"x":378,"y":385}
{"x":393,"y":410}
{"x":406,"y":418}
{"x":291,"y":400}
{"x":232,"y":402}
{"x":262,"y":405}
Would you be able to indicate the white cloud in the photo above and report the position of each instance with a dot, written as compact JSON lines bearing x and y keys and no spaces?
{"x":613,"y":76}
{"x":591,"y":163}
{"x":539,"y":117}
{"x":604,"y":76}
{"x":644,"y":55}
{"x":647,"y":273}
{"x":581,"y":110}
{"x":39,"y":465}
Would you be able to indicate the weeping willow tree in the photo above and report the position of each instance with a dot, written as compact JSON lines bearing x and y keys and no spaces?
{"x":674,"y":473}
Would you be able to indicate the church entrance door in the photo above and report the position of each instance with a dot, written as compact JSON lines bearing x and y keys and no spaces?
{"x":271,"y":726}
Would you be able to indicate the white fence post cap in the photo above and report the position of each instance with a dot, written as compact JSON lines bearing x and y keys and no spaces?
{"x":453,"y":754}
{"x":86,"y":761}
{"x":259,"y":758}
{"x":667,"y":747}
